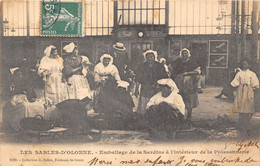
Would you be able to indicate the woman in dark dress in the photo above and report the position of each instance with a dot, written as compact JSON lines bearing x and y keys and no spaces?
{"x":73,"y":71}
{"x":186,"y":75}
{"x":147,"y":75}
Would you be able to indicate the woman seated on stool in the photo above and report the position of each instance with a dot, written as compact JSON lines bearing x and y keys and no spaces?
{"x":21,"y":102}
{"x":165,"y":110}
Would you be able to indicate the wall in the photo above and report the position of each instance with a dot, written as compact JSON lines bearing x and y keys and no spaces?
{"x":16,"y":48}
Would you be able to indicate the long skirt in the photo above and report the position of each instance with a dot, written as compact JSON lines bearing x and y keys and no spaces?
{"x":141,"y":109}
{"x":188,"y":89}
{"x":79,"y":87}
{"x":244,"y":100}
{"x":14,"y":112}
{"x":55,"y":89}
{"x":163,"y":120}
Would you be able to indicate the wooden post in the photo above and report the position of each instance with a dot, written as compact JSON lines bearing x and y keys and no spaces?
{"x":237,"y":38}
{"x":115,"y":14}
{"x":254,"y":36}
{"x":233,"y":56}
{"x":243,"y":30}
{"x":1,"y":39}
{"x":233,"y":16}
{"x":167,"y":15}
{"x":28,"y":18}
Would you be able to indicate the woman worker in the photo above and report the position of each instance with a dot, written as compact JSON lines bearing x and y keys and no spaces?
{"x":147,"y":76}
{"x":50,"y":68}
{"x":186,"y":73}
{"x":105,"y":69}
{"x":245,"y":83}
{"x":73,"y":70}
{"x":166,"y":109}
{"x":106,"y":76}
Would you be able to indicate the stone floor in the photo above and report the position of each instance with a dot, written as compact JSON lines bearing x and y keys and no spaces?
{"x":209,"y":110}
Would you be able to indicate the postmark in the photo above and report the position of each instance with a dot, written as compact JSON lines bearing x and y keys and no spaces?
{"x":61,"y":18}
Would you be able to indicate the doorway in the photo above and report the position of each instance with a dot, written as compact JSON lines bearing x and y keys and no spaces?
{"x":137,"y":50}
{"x":199,"y":52}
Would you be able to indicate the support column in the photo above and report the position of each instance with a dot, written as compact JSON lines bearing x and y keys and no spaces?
{"x":254,"y":37}
{"x":167,"y":16}
{"x":1,"y":39}
{"x":28,"y":18}
{"x":243,"y":30}
{"x":232,"y":53}
{"x":237,"y":32}
{"x":115,"y":14}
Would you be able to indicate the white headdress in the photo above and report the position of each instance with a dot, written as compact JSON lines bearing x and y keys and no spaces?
{"x":69,"y":48}
{"x":12,"y":70}
{"x":170,"y":83}
{"x":47,"y":51}
{"x":151,"y":52}
{"x":185,"y":49}
{"x":85,"y":59}
{"x":106,"y":56}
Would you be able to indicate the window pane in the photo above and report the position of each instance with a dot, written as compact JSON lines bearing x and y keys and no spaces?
{"x":138,"y":14}
{"x":156,"y":16}
{"x":156,"y":4}
{"x":132,"y":4}
{"x":162,"y":3}
{"x":144,"y":13}
{"x":94,"y":14}
{"x":125,"y":4}
{"x":119,"y":4}
{"x":150,"y":16}
{"x":150,"y":4}
{"x":144,"y":4}
{"x":132,"y":14}
{"x":162,"y":17}
{"x":88,"y":14}
{"x":126,"y":17}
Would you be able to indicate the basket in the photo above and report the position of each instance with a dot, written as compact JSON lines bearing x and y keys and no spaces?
{"x":36,"y":124}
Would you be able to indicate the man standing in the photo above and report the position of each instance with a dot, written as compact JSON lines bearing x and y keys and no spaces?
{"x":121,"y":61}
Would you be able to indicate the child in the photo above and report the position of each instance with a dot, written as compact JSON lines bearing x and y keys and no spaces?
{"x":246,"y":82}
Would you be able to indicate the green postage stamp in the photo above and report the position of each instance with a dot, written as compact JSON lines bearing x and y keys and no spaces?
{"x":61,"y":19}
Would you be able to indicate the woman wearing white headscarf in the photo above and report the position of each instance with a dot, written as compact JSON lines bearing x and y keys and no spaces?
{"x":168,"y":94}
{"x":105,"y":68}
{"x":186,"y":73}
{"x":147,"y":76}
{"x":75,"y":70}
{"x":165,"y":110}
{"x":50,"y":68}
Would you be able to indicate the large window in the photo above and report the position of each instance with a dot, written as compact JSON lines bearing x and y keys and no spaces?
{"x":99,"y":17}
{"x":136,"y":12}
{"x":198,"y":17}
{"x":22,"y":17}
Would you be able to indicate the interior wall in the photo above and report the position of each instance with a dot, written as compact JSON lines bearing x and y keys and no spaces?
{"x":16,"y":48}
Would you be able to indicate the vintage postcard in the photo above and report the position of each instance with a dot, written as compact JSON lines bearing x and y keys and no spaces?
{"x":129,"y":82}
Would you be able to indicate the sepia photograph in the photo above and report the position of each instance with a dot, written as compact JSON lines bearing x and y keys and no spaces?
{"x":130,"y":82}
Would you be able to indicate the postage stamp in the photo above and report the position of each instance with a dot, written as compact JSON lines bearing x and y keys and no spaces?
{"x":61,"y":19}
